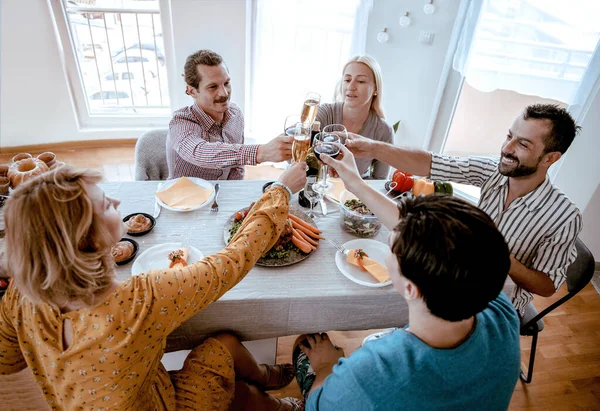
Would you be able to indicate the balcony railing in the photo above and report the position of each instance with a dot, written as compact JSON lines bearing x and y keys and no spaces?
{"x":120,"y":59}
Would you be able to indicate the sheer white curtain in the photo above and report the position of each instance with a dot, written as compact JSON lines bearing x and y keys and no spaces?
{"x":533,"y":47}
{"x":299,"y":46}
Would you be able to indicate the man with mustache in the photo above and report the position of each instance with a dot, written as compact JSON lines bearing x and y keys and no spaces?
{"x":539,"y":223}
{"x":206,"y":139}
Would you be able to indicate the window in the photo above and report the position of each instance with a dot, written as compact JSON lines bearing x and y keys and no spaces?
{"x":299,"y":46}
{"x":520,"y":52}
{"x":115,"y":60}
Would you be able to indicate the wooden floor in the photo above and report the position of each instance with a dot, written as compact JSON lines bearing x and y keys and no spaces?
{"x":567,"y":368}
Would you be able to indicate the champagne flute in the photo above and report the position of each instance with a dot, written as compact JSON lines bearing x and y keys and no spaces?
{"x":339,"y":130}
{"x":310,"y":108}
{"x":301,"y":143}
{"x":325,"y":144}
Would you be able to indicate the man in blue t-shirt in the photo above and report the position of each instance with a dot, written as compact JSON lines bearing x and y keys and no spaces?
{"x":460,"y":350}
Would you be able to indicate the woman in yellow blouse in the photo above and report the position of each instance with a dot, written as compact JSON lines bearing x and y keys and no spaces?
{"x":92,"y":342}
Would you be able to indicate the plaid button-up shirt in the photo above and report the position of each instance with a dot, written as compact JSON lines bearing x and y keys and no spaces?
{"x":540,"y":228}
{"x":198,"y":146}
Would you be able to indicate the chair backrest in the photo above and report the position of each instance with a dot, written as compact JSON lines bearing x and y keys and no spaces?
{"x":581,"y":271}
{"x":151,"y":156}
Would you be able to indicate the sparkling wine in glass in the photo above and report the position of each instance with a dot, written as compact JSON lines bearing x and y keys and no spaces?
{"x":310,"y":108}
{"x":301,"y":133}
{"x":325,"y":144}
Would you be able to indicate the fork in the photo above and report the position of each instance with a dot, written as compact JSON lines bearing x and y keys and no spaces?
{"x":337,"y":245}
{"x":215,"y":206}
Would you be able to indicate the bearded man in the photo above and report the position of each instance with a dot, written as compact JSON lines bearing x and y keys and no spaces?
{"x":539,"y":223}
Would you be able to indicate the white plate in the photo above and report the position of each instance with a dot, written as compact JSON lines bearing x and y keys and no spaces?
{"x":157,"y":258}
{"x":376,"y":250}
{"x":198,"y":181}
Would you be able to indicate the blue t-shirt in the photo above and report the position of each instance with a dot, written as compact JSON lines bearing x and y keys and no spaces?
{"x":402,"y":372}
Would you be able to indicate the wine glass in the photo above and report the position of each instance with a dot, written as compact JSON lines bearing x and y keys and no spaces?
{"x":290,"y":124}
{"x":325,"y":144}
{"x":310,"y":108}
{"x":311,"y":195}
{"x":339,"y":130}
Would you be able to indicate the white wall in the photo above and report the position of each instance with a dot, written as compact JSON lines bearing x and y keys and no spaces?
{"x":219,"y":25}
{"x":34,"y":101}
{"x":411,"y":70}
{"x":579,"y":175}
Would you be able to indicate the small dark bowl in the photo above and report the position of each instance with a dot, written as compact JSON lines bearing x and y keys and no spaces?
{"x":267,"y":185}
{"x":136,"y":247}
{"x":139,"y":233}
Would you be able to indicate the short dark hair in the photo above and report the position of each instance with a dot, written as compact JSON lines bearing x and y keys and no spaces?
{"x":562,"y":130}
{"x":453,"y":252}
{"x":190,"y":69}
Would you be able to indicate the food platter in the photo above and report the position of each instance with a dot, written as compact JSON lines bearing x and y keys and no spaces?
{"x":295,"y":255}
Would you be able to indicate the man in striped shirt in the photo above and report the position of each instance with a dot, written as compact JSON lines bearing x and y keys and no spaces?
{"x":540,"y":224}
{"x":206,"y":139}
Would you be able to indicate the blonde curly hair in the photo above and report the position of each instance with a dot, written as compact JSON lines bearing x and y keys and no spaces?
{"x":58,"y":250}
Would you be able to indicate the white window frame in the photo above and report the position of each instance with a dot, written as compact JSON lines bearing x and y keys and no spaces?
{"x":85,"y":120}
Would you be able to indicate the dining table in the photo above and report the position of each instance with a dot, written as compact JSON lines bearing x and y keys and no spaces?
{"x":309,"y":296}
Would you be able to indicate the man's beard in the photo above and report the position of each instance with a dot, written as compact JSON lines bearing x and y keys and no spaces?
{"x":518,"y":171}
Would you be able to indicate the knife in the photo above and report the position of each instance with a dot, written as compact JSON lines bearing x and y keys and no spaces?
{"x":323,"y":206}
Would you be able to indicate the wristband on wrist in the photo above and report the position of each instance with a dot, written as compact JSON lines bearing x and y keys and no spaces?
{"x":277,"y":183}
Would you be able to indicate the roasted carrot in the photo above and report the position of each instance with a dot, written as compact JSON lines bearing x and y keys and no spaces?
{"x":304,"y":224}
{"x":306,"y":231}
{"x":307,"y":238}
{"x":300,"y":243}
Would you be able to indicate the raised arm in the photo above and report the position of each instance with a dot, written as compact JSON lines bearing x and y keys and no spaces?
{"x":181,"y":292}
{"x":190,"y":142}
{"x":417,"y":162}
{"x":384,"y":208}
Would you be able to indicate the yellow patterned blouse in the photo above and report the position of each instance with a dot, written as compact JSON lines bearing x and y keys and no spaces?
{"x":114,"y":361}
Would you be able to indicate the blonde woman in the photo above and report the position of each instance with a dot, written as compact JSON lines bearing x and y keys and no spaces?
{"x":93,"y":342}
{"x":359,"y":108}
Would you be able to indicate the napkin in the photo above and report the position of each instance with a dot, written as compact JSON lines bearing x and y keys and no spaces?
{"x":377,"y":270}
{"x":338,"y":187}
{"x":184,"y":194}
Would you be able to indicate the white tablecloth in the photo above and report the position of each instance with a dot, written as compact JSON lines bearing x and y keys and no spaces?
{"x":310,"y":296}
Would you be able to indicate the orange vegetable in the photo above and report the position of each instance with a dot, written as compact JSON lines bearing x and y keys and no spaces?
{"x":305,"y":230}
{"x":307,"y":238}
{"x":423,"y":186}
{"x":300,"y":243}
{"x":304,"y":224}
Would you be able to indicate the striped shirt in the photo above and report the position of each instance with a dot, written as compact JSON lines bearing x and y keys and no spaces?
{"x":540,"y":228}
{"x":198,"y":146}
